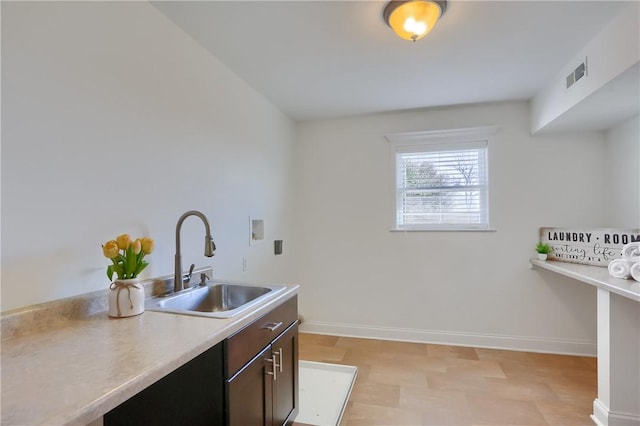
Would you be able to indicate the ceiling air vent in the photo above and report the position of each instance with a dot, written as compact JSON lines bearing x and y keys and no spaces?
{"x":570,"y":80}
{"x":577,"y":74}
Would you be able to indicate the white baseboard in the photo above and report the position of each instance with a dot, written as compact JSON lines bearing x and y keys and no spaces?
{"x":491,"y":341}
{"x":603,"y":417}
{"x":600,"y":414}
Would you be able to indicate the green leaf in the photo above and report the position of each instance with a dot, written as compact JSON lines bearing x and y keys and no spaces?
{"x":141,"y":267}
{"x":119,"y":270}
{"x":110,"y":272}
{"x":130,"y":265}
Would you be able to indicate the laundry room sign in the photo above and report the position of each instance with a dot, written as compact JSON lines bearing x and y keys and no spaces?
{"x":590,"y":247}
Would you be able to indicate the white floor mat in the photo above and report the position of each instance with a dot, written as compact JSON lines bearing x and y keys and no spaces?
{"x":324,"y":392}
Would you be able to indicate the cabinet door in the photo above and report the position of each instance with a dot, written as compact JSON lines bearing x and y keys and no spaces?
{"x":191,"y":395}
{"x":249,"y":393}
{"x":285,"y":386}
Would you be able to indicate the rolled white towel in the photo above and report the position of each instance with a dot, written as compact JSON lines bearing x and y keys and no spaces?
{"x":620,"y":268}
{"x":631,"y":251}
{"x":635,"y":271}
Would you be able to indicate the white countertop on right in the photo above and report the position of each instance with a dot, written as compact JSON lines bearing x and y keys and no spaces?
{"x":594,"y":275}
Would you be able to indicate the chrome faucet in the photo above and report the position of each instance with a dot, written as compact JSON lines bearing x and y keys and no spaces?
{"x":209,"y":247}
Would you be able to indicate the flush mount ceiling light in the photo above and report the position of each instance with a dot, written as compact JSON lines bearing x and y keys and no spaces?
{"x":413,"y":19}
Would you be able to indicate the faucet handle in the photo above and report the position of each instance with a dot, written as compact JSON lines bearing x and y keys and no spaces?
{"x":187,"y":277}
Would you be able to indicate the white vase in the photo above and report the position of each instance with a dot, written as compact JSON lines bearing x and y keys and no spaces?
{"x":542,"y":256}
{"x":126,"y":298}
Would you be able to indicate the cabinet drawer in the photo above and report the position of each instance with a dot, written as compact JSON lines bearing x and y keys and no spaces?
{"x":246,"y":343}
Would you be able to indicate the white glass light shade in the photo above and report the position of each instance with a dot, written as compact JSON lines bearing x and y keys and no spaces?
{"x":412,"y":20}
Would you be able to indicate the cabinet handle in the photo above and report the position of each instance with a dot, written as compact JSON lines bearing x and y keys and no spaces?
{"x":279,"y":365}
{"x":272,"y":326}
{"x":273,"y":373}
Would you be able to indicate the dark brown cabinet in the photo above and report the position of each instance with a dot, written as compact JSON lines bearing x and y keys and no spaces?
{"x":251,"y":378}
{"x":285,"y":382}
{"x":264,"y":391}
{"x":191,"y":395}
{"x":249,"y":391}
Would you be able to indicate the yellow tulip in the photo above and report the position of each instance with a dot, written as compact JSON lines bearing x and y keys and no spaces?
{"x":136,"y":246}
{"x":110,"y":249}
{"x":147,"y":245}
{"x":123,"y":241}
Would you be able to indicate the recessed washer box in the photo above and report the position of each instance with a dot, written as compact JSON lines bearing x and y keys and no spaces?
{"x":257,"y":230}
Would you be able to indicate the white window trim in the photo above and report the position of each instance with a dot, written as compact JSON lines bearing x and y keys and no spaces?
{"x":435,"y":140}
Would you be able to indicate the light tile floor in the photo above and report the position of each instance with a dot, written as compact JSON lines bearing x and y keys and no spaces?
{"x":421,"y":384}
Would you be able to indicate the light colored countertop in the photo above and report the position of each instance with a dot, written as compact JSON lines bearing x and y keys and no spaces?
{"x":594,"y":275}
{"x":83,"y":367}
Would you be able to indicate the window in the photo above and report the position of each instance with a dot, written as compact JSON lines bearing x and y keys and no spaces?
{"x":441,"y":180}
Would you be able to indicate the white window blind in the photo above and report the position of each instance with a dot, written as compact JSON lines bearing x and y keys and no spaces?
{"x":442,"y":186}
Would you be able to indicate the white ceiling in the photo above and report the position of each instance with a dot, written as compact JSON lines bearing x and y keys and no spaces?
{"x":324,"y":59}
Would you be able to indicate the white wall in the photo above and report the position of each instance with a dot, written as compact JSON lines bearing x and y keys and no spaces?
{"x":623,"y":177}
{"x":114,"y":120}
{"x":453,"y":287}
{"x":614,"y":50}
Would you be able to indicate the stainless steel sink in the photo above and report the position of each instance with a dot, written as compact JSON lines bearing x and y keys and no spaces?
{"x":216,"y":299}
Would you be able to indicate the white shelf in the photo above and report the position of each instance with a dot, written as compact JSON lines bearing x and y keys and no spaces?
{"x":594,"y":275}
